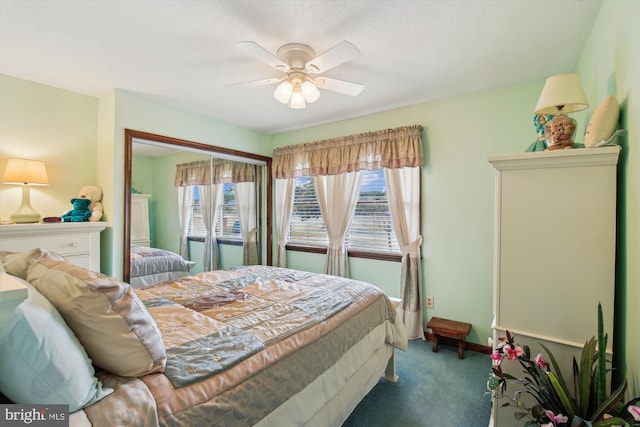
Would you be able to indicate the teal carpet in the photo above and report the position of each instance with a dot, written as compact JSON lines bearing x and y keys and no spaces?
{"x":435,"y":389}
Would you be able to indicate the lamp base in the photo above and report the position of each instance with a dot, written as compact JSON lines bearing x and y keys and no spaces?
{"x":22,"y":217}
{"x":559,"y":132}
{"x":25,"y":213}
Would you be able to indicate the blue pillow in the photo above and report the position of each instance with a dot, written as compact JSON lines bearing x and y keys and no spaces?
{"x":41,"y":360}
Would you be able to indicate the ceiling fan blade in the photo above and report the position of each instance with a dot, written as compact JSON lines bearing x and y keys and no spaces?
{"x":257,"y":51}
{"x":339,"y":54}
{"x":261,"y":82}
{"x":341,"y":86}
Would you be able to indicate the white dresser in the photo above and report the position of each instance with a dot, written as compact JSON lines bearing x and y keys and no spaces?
{"x":554,"y":253}
{"x":140,"y":234}
{"x":78,"y":242}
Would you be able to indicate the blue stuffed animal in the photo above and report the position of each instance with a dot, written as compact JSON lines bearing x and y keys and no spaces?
{"x":80,"y":211}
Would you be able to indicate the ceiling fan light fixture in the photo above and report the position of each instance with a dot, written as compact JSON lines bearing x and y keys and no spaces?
{"x":283,"y":91}
{"x":310,"y":91}
{"x":297,"y":98}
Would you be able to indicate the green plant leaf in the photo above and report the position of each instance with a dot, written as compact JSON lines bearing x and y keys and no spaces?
{"x":615,"y":421}
{"x":556,"y":368}
{"x":601,"y":366}
{"x":610,"y":402}
{"x":584,"y":377}
{"x":563,"y":395}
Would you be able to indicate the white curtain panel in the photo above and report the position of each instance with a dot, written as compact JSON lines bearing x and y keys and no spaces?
{"x":211,"y":200}
{"x":337,"y":197}
{"x":285,"y":191}
{"x":403,"y":192}
{"x":246,"y":200}
{"x":185,"y":195}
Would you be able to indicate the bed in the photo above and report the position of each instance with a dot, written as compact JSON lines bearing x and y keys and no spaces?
{"x":251,"y":345}
{"x":153,"y":265}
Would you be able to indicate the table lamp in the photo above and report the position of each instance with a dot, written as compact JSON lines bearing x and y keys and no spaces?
{"x":26,"y":173}
{"x":562,"y":94}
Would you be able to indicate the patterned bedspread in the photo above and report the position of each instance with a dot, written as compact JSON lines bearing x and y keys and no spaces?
{"x":242,"y":341}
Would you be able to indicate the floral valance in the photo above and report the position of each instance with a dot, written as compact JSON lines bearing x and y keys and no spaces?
{"x":215,"y":171}
{"x":389,"y":148}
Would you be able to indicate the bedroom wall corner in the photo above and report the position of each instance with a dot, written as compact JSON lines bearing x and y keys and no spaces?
{"x":55,"y":126}
{"x":610,"y":65}
{"x":105,"y":171}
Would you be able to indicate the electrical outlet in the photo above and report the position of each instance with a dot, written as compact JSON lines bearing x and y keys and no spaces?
{"x":429,"y":301}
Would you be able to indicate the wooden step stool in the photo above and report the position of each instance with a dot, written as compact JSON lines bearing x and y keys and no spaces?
{"x":452,"y":329}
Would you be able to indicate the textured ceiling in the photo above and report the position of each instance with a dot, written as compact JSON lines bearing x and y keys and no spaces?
{"x":182,"y":52}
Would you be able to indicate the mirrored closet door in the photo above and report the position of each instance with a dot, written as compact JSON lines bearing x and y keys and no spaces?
{"x":192,"y":206}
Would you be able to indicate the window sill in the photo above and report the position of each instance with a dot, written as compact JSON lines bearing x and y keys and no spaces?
{"x":352,"y":253}
{"x":221,"y":241}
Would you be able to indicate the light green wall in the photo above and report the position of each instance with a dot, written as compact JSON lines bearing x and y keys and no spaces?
{"x":142,"y":174}
{"x":55,"y":126}
{"x":610,"y":65}
{"x":458,"y":190}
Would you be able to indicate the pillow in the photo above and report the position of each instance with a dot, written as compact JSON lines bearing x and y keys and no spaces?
{"x":603,"y":122}
{"x":17,"y":263}
{"x":107,"y":316}
{"x":42,"y":361}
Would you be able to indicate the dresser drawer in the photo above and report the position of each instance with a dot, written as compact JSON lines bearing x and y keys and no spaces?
{"x":60,"y":244}
{"x":79,"y":243}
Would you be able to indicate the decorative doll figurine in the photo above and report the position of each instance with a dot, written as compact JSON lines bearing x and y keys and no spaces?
{"x":539,"y":121}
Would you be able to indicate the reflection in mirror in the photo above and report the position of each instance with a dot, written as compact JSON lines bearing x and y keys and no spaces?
{"x":169,"y":183}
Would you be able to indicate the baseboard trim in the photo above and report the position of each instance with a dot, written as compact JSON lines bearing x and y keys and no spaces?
{"x":471,"y":346}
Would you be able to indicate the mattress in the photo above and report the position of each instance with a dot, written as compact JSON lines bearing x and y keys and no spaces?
{"x":257,"y":345}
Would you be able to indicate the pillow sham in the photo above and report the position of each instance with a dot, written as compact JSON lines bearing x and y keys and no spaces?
{"x":17,"y":263}
{"x":107,"y":316}
{"x":42,"y":361}
{"x":603,"y":122}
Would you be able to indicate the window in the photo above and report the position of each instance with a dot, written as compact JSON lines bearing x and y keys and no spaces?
{"x":228,"y":221}
{"x":371,"y":229}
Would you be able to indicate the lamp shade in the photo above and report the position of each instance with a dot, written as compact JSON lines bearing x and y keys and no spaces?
{"x":22,"y":171}
{"x":561,"y":94}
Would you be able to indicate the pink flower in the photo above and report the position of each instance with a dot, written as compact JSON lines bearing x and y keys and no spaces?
{"x":513,"y":353}
{"x":542,"y":364}
{"x":496,"y":356}
{"x":556,"y":418}
{"x":634,"y":411}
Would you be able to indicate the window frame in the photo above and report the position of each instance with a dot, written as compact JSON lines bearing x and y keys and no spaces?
{"x":354,"y":253}
{"x":222,"y":239}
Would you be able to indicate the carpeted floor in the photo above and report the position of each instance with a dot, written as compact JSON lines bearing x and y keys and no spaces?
{"x":435,"y":389}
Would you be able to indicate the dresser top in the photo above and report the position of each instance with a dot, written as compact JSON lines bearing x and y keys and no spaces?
{"x":600,"y":156}
{"x":12,"y":230}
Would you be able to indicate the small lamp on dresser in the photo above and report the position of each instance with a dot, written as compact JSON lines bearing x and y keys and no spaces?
{"x":25,"y":173}
{"x":562,"y":94}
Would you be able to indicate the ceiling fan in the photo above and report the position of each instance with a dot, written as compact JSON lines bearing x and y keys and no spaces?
{"x":299,"y":63}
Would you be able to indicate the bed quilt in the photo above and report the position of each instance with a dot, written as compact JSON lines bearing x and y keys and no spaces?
{"x":242,"y":341}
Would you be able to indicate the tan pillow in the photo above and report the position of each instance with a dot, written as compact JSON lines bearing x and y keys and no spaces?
{"x":603,"y":122}
{"x":107,"y":316}
{"x":17,"y":263}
